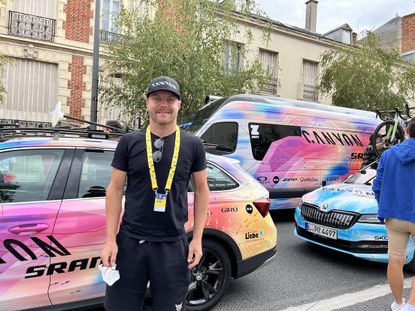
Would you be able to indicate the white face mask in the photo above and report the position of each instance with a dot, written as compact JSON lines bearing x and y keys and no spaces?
{"x":109,"y":274}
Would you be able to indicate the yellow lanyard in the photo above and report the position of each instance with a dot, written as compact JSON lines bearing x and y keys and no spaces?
{"x":150,"y":161}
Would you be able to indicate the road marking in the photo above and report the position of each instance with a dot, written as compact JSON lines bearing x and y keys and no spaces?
{"x":349,"y":299}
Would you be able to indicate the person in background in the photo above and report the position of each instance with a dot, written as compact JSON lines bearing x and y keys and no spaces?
{"x":394,"y":189}
{"x":113,"y":123}
{"x":369,"y":155}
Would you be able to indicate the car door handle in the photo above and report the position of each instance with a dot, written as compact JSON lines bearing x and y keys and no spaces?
{"x":28,"y":228}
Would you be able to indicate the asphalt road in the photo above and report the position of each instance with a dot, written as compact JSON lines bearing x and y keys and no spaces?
{"x":302,"y":275}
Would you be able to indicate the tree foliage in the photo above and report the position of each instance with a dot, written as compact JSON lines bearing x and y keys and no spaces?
{"x":367,"y":77}
{"x":183,"y":39}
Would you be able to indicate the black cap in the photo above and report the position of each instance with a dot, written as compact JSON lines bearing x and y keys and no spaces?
{"x":164,"y":83}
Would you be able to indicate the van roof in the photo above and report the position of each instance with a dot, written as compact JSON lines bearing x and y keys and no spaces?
{"x":295,"y":103}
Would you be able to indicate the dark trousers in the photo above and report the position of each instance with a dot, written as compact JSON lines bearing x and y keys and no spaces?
{"x":163,"y":264}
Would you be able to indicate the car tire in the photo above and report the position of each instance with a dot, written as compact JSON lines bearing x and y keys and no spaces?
{"x":410,"y":266}
{"x":210,"y":278}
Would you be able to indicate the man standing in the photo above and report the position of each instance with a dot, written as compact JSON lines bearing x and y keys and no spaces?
{"x":151,"y":244}
{"x":394,"y":189}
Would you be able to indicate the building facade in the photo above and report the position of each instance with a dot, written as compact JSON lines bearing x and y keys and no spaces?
{"x":49,"y":46}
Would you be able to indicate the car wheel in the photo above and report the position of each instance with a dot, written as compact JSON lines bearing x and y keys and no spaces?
{"x":410,"y":266}
{"x":210,"y":278}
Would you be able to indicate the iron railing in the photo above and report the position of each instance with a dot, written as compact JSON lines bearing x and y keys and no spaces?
{"x":31,"y":26}
{"x":108,"y":36}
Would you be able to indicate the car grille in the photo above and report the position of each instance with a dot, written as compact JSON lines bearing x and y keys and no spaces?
{"x":334,"y":219}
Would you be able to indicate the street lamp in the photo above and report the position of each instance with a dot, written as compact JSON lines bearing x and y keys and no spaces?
{"x":95,"y":64}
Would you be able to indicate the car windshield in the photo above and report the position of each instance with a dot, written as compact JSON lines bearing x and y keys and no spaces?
{"x":197,"y":119}
{"x":364,"y":176}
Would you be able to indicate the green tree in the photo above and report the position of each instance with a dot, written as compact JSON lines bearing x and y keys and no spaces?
{"x":367,"y":76}
{"x":183,"y":39}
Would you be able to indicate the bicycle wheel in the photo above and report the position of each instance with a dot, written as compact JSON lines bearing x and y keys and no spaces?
{"x":385,"y":130}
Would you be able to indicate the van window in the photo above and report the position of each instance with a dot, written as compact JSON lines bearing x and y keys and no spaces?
{"x":224,"y":134}
{"x":262,"y":135}
{"x":195,"y":122}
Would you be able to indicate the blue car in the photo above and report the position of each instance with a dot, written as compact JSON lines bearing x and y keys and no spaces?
{"x":343,"y":217}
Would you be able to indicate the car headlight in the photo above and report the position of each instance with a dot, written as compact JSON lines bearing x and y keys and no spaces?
{"x":369,"y":219}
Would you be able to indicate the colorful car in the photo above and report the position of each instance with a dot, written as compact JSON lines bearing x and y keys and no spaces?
{"x":291,"y":147}
{"x":343,"y":217}
{"x":52,"y":224}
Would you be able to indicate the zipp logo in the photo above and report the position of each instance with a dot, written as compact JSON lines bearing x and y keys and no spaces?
{"x":287,"y":179}
{"x":254,"y":235}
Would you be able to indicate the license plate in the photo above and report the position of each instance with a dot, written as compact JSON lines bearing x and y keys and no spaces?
{"x":321,"y":230}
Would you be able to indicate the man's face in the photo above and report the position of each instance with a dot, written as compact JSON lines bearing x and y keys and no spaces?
{"x":163,"y":107}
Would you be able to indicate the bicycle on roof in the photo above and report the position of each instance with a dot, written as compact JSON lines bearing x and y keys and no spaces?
{"x":391,"y":131}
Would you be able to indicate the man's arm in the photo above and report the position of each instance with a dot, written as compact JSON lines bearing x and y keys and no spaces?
{"x":201,"y":198}
{"x":113,"y":202}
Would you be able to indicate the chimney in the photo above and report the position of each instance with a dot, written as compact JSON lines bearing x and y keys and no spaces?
{"x":408,"y":33}
{"x":354,"y":38}
{"x":311,"y":15}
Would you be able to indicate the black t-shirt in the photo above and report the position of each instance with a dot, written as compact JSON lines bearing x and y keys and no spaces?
{"x":140,"y":220}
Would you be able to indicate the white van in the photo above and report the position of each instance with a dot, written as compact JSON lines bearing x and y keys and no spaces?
{"x":291,"y":147}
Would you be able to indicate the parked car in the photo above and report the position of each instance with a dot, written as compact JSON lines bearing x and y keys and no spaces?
{"x":343,"y":217}
{"x":52,"y":224}
{"x":291,"y":147}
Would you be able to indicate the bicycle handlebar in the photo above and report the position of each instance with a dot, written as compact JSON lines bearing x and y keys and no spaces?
{"x":403,"y":114}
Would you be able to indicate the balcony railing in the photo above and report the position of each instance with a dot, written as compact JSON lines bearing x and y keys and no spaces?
{"x":270,"y":87}
{"x":108,"y":36}
{"x":310,"y":92}
{"x":31,"y":26}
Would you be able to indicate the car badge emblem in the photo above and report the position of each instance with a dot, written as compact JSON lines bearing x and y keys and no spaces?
{"x":325,"y":206}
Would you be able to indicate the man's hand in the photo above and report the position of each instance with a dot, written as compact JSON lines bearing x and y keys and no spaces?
{"x":195,"y":253}
{"x":109,"y":254}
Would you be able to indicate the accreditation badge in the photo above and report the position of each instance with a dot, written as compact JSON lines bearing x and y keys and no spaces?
{"x":160,"y":202}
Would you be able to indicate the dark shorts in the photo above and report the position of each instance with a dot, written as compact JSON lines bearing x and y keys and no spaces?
{"x":164,"y":264}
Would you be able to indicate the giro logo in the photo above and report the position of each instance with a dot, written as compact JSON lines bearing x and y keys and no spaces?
{"x":276,"y":179}
{"x":249,"y":209}
{"x":254,"y":235}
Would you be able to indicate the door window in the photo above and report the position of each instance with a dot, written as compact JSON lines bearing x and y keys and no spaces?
{"x":27,"y":175}
{"x":95,"y":173}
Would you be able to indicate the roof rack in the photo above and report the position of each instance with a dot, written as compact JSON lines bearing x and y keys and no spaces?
{"x":15,"y":130}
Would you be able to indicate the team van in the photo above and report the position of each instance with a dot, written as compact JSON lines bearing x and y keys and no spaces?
{"x":291,"y":147}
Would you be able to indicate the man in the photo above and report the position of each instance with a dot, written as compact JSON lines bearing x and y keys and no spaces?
{"x":369,"y":155}
{"x":151,"y":245}
{"x":394,"y":190}
{"x":113,"y":123}
{"x":116,"y":125}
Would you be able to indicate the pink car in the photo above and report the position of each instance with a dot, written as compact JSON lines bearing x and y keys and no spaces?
{"x":52,"y":224}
